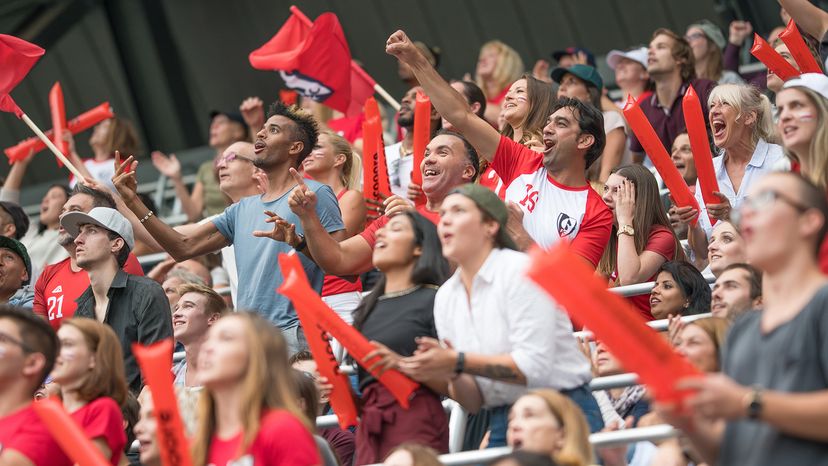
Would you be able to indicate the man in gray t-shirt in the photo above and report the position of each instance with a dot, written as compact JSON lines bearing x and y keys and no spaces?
{"x":770,"y":406}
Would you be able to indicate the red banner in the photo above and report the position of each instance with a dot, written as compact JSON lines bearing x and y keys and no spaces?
{"x":341,"y":398}
{"x":652,"y":145}
{"x":76,"y":125}
{"x":17,"y":57}
{"x":799,"y":51}
{"x":422,"y":136}
{"x":697,"y":132}
{"x":297,"y":288}
{"x":763,"y":51}
{"x":68,"y":434}
{"x":155,"y":361}
{"x":612,"y":319}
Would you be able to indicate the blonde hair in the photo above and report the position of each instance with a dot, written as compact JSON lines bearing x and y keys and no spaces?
{"x":267,"y":384}
{"x":576,"y":450}
{"x":716,"y":328}
{"x":342,"y":146}
{"x":508,"y":69}
{"x":108,"y":377}
{"x":818,"y":151}
{"x":745,"y":98}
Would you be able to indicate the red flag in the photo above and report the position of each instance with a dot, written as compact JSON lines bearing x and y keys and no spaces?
{"x":612,"y":319}
{"x":362,"y":88}
{"x":311,"y":60}
{"x":17,"y":57}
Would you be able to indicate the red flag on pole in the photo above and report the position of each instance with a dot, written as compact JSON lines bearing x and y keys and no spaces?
{"x":310,"y":59}
{"x":17,"y":57}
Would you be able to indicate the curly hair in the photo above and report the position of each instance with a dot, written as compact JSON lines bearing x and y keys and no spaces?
{"x":306,"y":129}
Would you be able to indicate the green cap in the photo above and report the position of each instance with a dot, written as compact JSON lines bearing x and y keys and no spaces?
{"x":584,"y":72}
{"x":18,"y":248}
{"x":711,"y":31}
{"x":488,"y":202}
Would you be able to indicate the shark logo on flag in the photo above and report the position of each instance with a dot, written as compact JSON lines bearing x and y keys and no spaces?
{"x":306,"y":85}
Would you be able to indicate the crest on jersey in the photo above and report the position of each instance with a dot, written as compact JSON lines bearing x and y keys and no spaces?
{"x":306,"y":85}
{"x":566,"y":225}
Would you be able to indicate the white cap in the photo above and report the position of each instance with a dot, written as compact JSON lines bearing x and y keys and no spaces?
{"x":816,"y":82}
{"x":638,"y":55}
{"x":104,"y":217}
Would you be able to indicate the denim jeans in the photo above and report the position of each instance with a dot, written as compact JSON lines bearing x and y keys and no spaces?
{"x":295,"y":339}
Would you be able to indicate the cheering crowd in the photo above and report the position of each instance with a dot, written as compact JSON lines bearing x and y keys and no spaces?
{"x":434,"y":274}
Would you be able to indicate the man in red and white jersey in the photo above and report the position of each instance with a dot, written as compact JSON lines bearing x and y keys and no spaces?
{"x":550,"y":188}
{"x":63,"y":282}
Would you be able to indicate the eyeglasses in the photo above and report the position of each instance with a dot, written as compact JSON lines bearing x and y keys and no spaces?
{"x":230,"y":156}
{"x":6,"y":339}
{"x":764,"y":200}
{"x":694,"y":36}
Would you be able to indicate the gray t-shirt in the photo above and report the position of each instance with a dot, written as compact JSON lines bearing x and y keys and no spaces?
{"x":792,"y":358}
{"x":257,"y":259}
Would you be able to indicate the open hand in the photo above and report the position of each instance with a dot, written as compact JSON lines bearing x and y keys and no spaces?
{"x":168,"y":166}
{"x":283,"y":230}
{"x":124,"y":178}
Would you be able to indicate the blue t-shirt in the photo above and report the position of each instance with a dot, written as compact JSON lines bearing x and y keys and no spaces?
{"x":257,"y":259}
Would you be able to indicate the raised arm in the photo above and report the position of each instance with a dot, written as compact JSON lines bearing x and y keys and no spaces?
{"x":170,"y":167}
{"x":448,"y":102}
{"x":808,"y":16}
{"x":203,"y":239}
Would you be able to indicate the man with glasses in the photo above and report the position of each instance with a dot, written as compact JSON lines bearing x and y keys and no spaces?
{"x":15,"y":270}
{"x":28,"y":348}
{"x":547,"y":192}
{"x":770,"y":404}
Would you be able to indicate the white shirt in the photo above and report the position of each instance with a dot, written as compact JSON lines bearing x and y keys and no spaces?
{"x":510,"y":314}
{"x":766,"y":158}
{"x":399,"y":169}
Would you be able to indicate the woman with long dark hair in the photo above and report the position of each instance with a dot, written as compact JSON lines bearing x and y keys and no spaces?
{"x":399,"y":309}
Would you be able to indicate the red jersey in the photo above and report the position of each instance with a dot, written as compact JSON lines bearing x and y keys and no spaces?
{"x":24,"y":432}
{"x":662,"y":242}
{"x":282,"y":440}
{"x":101,"y":418}
{"x":370,"y":232}
{"x":552,"y":211}
{"x":59,"y":286}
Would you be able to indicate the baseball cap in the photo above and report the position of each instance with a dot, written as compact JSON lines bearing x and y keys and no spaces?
{"x":232,"y":116}
{"x":711,"y":31}
{"x":18,"y":248}
{"x":585,"y":72}
{"x":816,"y":82}
{"x":20,"y":219}
{"x":487,"y":201}
{"x":574,"y":51}
{"x":638,"y":55}
{"x":104,"y":217}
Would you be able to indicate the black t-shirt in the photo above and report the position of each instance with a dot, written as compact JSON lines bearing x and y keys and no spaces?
{"x":397,"y":321}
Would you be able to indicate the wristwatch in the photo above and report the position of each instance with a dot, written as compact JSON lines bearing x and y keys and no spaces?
{"x":302,"y":244}
{"x":626,"y":230}
{"x":753,"y":400}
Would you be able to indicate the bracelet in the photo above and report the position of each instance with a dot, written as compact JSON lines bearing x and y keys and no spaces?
{"x":147,"y":217}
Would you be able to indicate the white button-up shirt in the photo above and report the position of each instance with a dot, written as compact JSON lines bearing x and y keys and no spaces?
{"x":766,"y":158}
{"x":508,"y":313}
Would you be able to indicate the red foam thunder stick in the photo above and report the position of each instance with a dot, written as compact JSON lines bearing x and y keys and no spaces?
{"x":422,"y":134}
{"x":155,"y":361}
{"x":373,"y":118}
{"x":799,"y":51}
{"x":697,"y":131}
{"x":646,"y":135}
{"x":613,"y":321}
{"x":76,"y":125}
{"x":58,"y":112}
{"x":68,"y":434}
{"x":763,"y":51}
{"x":341,"y":398}
{"x":297,"y":288}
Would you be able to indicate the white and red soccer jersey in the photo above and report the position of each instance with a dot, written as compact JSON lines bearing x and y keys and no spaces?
{"x":552,"y":211}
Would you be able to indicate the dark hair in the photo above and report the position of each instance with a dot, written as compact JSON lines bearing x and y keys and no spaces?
{"x":681,"y":51}
{"x":306,"y":391}
{"x":41,"y":227}
{"x":814,"y":198}
{"x":123,"y":254}
{"x":303,"y":355}
{"x":525,"y":458}
{"x":474,"y":95}
{"x":692,"y":285}
{"x":754,"y":277}
{"x":590,"y":121}
{"x":305,"y":131}
{"x":431,"y":268}
{"x":36,"y":334}
{"x":99,"y":198}
{"x":471,"y":152}
{"x":131,"y":411}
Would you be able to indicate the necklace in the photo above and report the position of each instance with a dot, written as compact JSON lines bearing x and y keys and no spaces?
{"x":397,"y":294}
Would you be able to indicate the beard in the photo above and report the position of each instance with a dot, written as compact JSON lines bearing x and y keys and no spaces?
{"x":64,"y":239}
{"x":406,"y":120}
